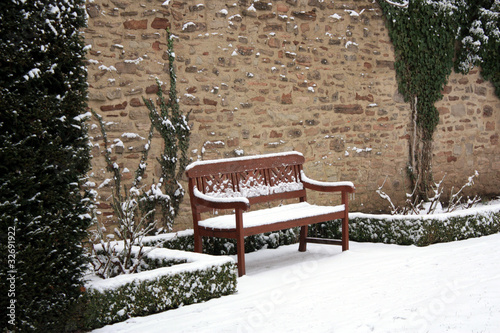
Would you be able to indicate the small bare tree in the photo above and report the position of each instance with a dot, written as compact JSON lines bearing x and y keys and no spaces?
{"x":134,"y":219}
{"x":135,"y":208}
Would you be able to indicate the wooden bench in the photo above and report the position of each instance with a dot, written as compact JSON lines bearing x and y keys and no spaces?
{"x":237,"y":183}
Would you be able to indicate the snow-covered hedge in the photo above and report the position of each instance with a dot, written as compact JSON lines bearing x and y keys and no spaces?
{"x":200,"y":278}
{"x":417,"y":230}
{"x":184,"y":240}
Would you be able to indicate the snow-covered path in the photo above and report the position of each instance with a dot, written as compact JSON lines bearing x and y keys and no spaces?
{"x":450,"y":287}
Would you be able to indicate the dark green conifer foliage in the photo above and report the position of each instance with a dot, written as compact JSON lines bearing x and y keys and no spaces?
{"x":44,"y":155}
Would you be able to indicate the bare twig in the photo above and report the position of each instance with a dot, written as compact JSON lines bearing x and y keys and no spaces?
{"x":415,"y":206}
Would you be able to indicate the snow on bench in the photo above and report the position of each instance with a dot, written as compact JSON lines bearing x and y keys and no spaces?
{"x":236,"y":184}
{"x":271,"y":215}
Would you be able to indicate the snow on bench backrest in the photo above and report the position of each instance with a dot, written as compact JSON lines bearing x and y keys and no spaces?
{"x":249,"y":176}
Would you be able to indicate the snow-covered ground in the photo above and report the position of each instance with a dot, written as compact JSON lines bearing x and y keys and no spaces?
{"x":449,"y":287}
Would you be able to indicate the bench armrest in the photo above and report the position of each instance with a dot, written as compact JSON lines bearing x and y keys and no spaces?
{"x":326,"y":186}
{"x":221,"y":203}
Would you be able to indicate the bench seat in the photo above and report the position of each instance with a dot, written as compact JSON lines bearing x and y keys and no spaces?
{"x":269,"y":216}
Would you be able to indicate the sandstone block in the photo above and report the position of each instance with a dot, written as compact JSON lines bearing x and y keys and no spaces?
{"x":385,"y":64}
{"x":208,"y":101}
{"x":114,"y":94}
{"x":93,"y":10}
{"x":305,"y":15}
{"x":286,"y":98}
{"x":160,"y":23}
{"x":487,"y":111}
{"x":348,"y":109}
{"x":282,"y":8}
{"x":458,"y":110}
{"x":194,"y":27}
{"x":368,"y":97}
{"x":136,"y":24}
{"x":245,"y":50}
{"x":96,"y":96}
{"x":262,"y":5}
{"x":126,"y":68}
{"x":120,"y":106}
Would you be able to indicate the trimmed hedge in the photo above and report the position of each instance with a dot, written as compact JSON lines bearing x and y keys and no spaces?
{"x":184,"y":240}
{"x":199,"y":279}
{"x":420,"y":230}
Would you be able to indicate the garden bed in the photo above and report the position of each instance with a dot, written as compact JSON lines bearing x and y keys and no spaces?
{"x":420,"y":230}
{"x":194,"y":278}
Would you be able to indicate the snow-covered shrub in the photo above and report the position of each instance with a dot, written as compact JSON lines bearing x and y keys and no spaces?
{"x":195,"y":278}
{"x":414,"y":206}
{"x":420,"y":230}
{"x":135,"y":208}
{"x":44,"y":156}
{"x":223,"y":246}
{"x":391,"y":229}
{"x":133,"y":215}
{"x":430,"y":38}
{"x":480,"y":40}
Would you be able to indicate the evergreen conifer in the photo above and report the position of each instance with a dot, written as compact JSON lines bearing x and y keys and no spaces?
{"x":44,"y":155}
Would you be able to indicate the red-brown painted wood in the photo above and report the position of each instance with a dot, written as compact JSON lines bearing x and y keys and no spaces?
{"x":264,"y":171}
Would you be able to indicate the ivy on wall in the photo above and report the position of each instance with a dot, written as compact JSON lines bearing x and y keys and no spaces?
{"x":431,"y":37}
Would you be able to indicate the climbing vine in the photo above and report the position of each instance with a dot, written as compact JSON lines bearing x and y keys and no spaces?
{"x":430,"y":37}
{"x":167,"y":118}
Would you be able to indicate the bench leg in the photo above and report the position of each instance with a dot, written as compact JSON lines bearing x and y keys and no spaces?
{"x":303,"y":235}
{"x":345,"y":234}
{"x":198,"y":242}
{"x":240,"y":242}
{"x":240,"y":247}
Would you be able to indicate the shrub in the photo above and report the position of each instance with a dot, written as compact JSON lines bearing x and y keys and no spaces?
{"x":415,"y":230}
{"x":135,"y":208}
{"x":224,"y":246}
{"x":197,"y":278}
{"x":134,"y":217}
{"x":45,"y":154}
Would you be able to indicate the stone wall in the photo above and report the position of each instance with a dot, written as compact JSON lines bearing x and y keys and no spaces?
{"x":261,"y":77}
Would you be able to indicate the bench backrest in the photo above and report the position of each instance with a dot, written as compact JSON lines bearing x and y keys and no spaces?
{"x":259,"y":178}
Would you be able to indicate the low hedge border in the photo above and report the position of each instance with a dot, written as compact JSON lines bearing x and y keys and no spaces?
{"x":419,"y":230}
{"x":184,"y":240}
{"x":201,"y":278}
